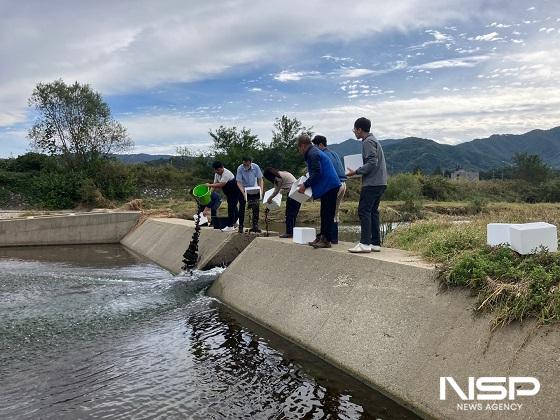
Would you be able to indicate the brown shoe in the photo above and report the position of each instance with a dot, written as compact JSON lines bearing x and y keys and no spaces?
{"x":317,"y":239}
{"x":285,"y":235}
{"x":323,"y":243}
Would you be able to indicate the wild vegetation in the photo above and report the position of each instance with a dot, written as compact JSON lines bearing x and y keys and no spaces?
{"x":510,"y":286}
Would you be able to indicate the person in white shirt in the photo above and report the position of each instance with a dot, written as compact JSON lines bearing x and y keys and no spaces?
{"x":225,"y":180}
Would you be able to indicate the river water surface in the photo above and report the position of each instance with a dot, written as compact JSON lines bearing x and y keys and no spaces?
{"x":96,"y":332}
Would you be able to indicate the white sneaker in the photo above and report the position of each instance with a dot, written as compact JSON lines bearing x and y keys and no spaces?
{"x":360,"y":249}
{"x":236,"y":224}
{"x":229,"y":229}
{"x":376,"y":248}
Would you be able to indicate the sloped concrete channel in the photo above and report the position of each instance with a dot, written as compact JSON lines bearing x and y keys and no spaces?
{"x":67,"y":229}
{"x":380,"y":317}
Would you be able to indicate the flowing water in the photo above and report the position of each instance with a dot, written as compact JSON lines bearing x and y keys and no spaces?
{"x":95,"y":332}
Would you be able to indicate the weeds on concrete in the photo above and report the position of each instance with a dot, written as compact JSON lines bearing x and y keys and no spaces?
{"x":510,"y":286}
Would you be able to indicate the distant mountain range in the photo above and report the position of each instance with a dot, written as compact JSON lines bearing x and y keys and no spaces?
{"x":141,"y":158}
{"x":403,"y":155}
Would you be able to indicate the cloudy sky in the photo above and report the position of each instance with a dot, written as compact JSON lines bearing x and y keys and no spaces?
{"x":449,"y":70}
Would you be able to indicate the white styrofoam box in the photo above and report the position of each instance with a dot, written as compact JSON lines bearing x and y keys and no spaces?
{"x":203,"y":219}
{"x":296,"y":195}
{"x":250,"y":191}
{"x":530,"y":237}
{"x":353,"y":162}
{"x":276,"y":201}
{"x":497,"y":233}
{"x":304,"y":235}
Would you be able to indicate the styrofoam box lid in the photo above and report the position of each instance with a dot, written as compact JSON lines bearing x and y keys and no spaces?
{"x":532,"y":226}
{"x":353,"y":161}
{"x":268,"y":193}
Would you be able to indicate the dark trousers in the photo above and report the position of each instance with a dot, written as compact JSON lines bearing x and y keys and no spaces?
{"x":328,"y":209}
{"x":368,"y":211}
{"x":215,"y":207}
{"x":231,"y":191}
{"x":252,"y":204}
{"x":292,"y":210}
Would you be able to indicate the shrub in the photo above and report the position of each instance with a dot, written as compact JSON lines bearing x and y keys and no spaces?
{"x":438,"y":188}
{"x":91,"y":196}
{"x":478,"y":205}
{"x":403,"y":187}
{"x":56,"y":190}
{"x":550,"y":191}
{"x":115,"y":180}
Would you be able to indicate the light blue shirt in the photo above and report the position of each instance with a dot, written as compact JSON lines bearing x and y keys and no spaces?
{"x":249,"y":177}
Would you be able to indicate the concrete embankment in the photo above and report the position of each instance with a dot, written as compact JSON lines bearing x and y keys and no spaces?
{"x":165,"y":240}
{"x":79,"y":228}
{"x":382,"y":318}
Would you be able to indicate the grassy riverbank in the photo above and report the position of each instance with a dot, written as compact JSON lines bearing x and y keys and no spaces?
{"x":510,"y":286}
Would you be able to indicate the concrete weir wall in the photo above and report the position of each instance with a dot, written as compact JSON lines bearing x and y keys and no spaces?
{"x":79,"y":228}
{"x":382,"y":318}
{"x":165,"y":240}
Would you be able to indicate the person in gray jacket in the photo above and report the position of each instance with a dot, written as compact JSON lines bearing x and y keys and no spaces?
{"x":374,"y":184}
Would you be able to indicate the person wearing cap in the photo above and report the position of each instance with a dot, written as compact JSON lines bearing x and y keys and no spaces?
{"x":321,"y":142}
{"x":374,"y":184}
{"x":283,"y":181}
{"x":249,"y":175}
{"x":225,"y":180}
{"x":324,"y":184}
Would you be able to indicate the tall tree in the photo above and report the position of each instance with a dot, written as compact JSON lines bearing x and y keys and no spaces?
{"x":75,"y":122}
{"x":286,"y":130}
{"x":530,"y":168}
{"x":282,"y":152}
{"x":232,"y":144}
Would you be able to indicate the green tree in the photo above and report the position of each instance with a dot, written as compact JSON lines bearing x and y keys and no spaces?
{"x":75,"y":122}
{"x":285,"y":132}
{"x":232,"y":144}
{"x":530,"y":168}
{"x":282,"y":152}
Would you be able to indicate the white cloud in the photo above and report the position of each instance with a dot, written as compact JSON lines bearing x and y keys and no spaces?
{"x":440,"y":37}
{"x":294,"y":76}
{"x":455,"y":62}
{"x":337,"y":59}
{"x":499,"y":25}
{"x":353,"y":73}
{"x":141,"y":44}
{"x":449,"y":117}
{"x":123,"y":46}
{"x":493,"y":36}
